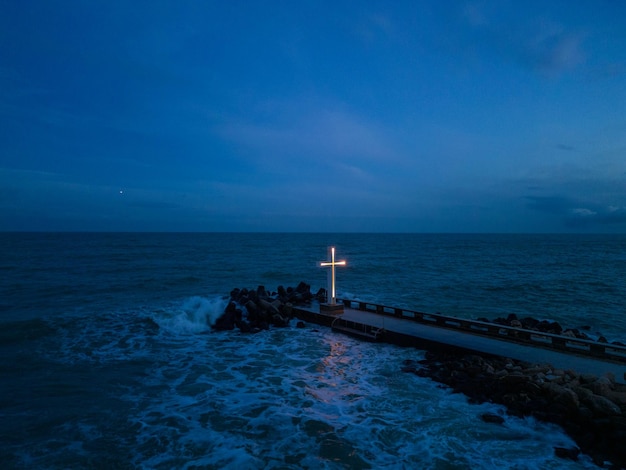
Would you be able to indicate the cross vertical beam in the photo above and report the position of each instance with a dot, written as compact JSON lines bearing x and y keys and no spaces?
{"x":330,"y":294}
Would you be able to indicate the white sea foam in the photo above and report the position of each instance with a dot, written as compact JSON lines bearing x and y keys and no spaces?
{"x":284,"y":398}
{"x":195,"y":314}
{"x":305,"y":398}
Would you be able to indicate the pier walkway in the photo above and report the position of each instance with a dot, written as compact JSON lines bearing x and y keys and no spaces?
{"x":433,"y":331}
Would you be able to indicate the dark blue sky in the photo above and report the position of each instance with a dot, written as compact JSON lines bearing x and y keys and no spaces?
{"x":374,"y":116}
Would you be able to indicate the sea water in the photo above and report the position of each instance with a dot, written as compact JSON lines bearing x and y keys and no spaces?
{"x":109,"y":360}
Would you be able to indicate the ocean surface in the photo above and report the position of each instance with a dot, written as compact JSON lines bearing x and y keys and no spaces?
{"x":109,"y":360}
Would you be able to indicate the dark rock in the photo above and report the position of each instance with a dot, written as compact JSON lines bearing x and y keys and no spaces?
{"x":602,"y":406}
{"x":300,"y":324}
{"x":529,"y":323}
{"x":279,"y":320}
{"x":564,"y":453}
{"x":227,"y":320}
{"x":492,"y":418}
{"x":511,"y":317}
{"x":602,"y":386}
{"x":244,"y":326}
{"x":555,"y":328}
{"x":252,"y":309}
{"x":261,"y":293}
{"x":287,"y":310}
{"x":549,"y":327}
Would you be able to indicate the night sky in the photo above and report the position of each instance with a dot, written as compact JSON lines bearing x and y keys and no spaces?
{"x":316,"y":116}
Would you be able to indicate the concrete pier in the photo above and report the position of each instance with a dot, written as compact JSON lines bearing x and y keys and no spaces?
{"x":391,"y":325}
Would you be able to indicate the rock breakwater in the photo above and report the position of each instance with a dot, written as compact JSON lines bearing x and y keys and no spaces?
{"x":547,"y":326}
{"x":252,"y":310}
{"x":591,"y":409}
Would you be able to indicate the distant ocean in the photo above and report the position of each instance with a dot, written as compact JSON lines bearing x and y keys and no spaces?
{"x":109,"y":361}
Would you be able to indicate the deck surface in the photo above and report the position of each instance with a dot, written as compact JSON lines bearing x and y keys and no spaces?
{"x":486,"y":345}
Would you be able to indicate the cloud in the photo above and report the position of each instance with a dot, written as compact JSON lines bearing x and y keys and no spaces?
{"x":540,"y":44}
{"x":576,"y":214}
{"x":583,"y":212}
{"x":375,"y":27}
{"x":326,"y":134}
{"x":565,"y":147}
{"x":552,"y":49}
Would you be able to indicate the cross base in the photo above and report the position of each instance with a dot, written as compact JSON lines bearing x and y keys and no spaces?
{"x":333,"y":309}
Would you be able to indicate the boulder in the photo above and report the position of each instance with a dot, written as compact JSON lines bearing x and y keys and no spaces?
{"x":287,"y":310}
{"x":563,"y":395}
{"x":227,"y":320}
{"x":529,"y":323}
{"x":253,"y":310}
{"x":279,"y":320}
{"x":261,"y":293}
{"x":602,"y":406}
{"x":619,"y":398}
{"x":268,"y":307}
{"x":565,"y":453}
{"x":602,"y":386}
{"x":492,"y":418}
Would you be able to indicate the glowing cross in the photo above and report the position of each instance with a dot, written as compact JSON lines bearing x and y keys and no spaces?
{"x":330,"y":295}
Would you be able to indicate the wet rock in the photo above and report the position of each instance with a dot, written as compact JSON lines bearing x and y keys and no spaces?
{"x":268,"y":307}
{"x":263,"y":307}
{"x":279,"y":320}
{"x":252,"y":310}
{"x":261,"y":293}
{"x":282,"y":292}
{"x":588,"y":378}
{"x":619,"y":398}
{"x":227,"y":320}
{"x":529,"y":323}
{"x":492,"y":418}
{"x":602,"y":386}
{"x":565,"y":453}
{"x":596,"y":423}
{"x":565,"y":396}
{"x":602,"y":406}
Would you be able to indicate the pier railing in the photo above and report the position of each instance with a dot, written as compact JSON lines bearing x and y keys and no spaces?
{"x":531,"y":337}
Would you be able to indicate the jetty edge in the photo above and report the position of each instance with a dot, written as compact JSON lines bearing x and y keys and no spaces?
{"x":591,"y":408}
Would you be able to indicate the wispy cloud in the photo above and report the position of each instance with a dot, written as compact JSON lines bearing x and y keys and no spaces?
{"x":540,"y":44}
{"x":577,"y":213}
{"x":324,"y":134}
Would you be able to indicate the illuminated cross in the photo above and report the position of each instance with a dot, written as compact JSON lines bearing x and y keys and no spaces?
{"x":330,"y":295}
